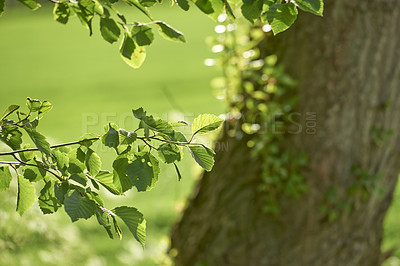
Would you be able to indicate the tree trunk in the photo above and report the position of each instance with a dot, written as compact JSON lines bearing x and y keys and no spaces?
{"x":347,"y":65}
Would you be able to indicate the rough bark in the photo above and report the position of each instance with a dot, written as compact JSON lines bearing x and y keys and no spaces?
{"x":348,"y":70}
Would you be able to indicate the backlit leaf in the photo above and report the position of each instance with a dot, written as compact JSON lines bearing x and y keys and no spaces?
{"x":26,"y":195}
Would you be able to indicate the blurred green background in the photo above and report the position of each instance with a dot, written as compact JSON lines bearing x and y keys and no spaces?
{"x":89,"y":84}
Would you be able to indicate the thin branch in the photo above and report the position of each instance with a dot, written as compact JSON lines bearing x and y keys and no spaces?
{"x":52,"y":147}
{"x":10,"y":163}
{"x":38,"y":166}
{"x":106,"y":211}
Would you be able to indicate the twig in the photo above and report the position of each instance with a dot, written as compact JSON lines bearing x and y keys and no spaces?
{"x":51,"y":147}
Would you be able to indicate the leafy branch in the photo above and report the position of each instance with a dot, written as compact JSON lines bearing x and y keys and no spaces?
{"x":137,"y":35}
{"x":72,"y":176}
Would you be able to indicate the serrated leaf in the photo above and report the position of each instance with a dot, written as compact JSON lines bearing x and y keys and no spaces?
{"x":109,"y":30}
{"x":33,"y":104}
{"x":120,"y":178}
{"x":106,"y":179}
{"x":170,"y":33}
{"x":39,"y":140}
{"x":93,"y":162}
{"x":11,"y":109}
{"x":315,"y":7}
{"x":203,"y":155}
{"x":143,"y":9}
{"x":127,"y":138}
{"x":77,"y":206}
{"x":135,"y":222}
{"x":169,"y":153}
{"x":142,"y":35}
{"x":205,"y":123}
{"x":61,"y":13}
{"x":84,"y":10}
{"x":143,"y":171}
{"x":79,"y":178}
{"x":5,"y":178}
{"x":48,"y":202}
{"x":76,"y":161}
{"x":133,"y":55}
{"x":11,"y":136}
{"x":31,"y":4}
{"x":111,"y":138}
{"x":33,"y":172}
{"x":281,"y":16}
{"x":26,"y":195}
{"x":251,"y":10}
{"x":44,"y":108}
{"x":150,"y":123}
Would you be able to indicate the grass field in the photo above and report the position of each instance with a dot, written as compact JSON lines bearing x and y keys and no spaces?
{"x":89,"y":85}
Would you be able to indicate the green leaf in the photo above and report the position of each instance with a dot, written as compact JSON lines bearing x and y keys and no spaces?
{"x":147,"y":3}
{"x":48,"y":202}
{"x":61,"y":13}
{"x":44,"y":108}
{"x":107,"y":180}
{"x":93,"y":162}
{"x":111,"y":138}
{"x":203,"y":155}
{"x":77,"y":206}
{"x":117,"y":229}
{"x":127,"y":138}
{"x":5,"y":178}
{"x":169,"y":153}
{"x":1,"y":11}
{"x":109,"y":30}
{"x":27,"y":155}
{"x":60,"y":190}
{"x":205,"y":123}
{"x":143,"y":171}
{"x":79,"y":178}
{"x":134,"y":220}
{"x":120,"y":179}
{"x":142,"y":35}
{"x":103,"y":220}
{"x":150,"y":123}
{"x":184,"y":4}
{"x":39,"y":140}
{"x":76,"y":161}
{"x":11,"y":136}
{"x":315,"y":7}
{"x":170,"y":33}
{"x":205,"y":6}
{"x":34,"y":173}
{"x":84,"y":10}
{"x":61,"y":158}
{"x":26,"y":195}
{"x":281,"y":16}
{"x":33,"y":104}
{"x":132,"y":55}
{"x":11,"y":109}
{"x":252,"y":9}
{"x":31,"y":4}
{"x":143,"y":9}
{"x":178,"y":172}
{"x":179,"y":124}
